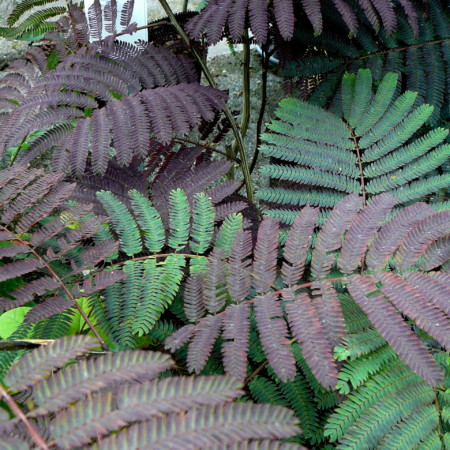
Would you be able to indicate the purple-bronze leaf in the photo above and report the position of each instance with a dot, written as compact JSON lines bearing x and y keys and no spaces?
{"x":236,"y":20}
{"x":421,"y":236}
{"x":309,"y":331}
{"x":257,"y":11}
{"x":19,"y":267}
{"x":77,"y":381}
{"x":126,"y":13}
{"x":387,"y":14}
{"x":95,"y":17}
{"x":432,"y":288}
{"x":330,"y":236}
{"x":225,"y":426}
{"x":239,"y":267}
{"x":362,"y":230}
{"x":55,"y":198}
{"x":174,"y":394}
{"x":285,"y":18}
{"x":312,"y":10}
{"x":265,"y":256}
{"x":436,"y":254}
{"x":30,"y":196}
{"x":297,"y":245}
{"x":26,"y":293}
{"x":411,"y":303}
{"x":96,"y":416}
{"x":194,"y":303}
{"x":394,"y":329}
{"x":392,"y":233}
{"x":214,"y":282}
{"x":206,"y":333}
{"x":14,"y":250}
{"x":236,"y":328}
{"x":101,"y":281}
{"x":330,"y":312}
{"x":39,"y":363}
{"x":180,"y":337}
{"x":48,"y":308}
{"x":273,"y":333}
{"x":371,"y":14}
{"x":347,"y":14}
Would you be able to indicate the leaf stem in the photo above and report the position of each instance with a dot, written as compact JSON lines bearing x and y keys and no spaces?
{"x":361,"y":172}
{"x":207,"y":146}
{"x":34,"y":434}
{"x":63,"y":286}
{"x":237,"y":133}
{"x":262,"y":109}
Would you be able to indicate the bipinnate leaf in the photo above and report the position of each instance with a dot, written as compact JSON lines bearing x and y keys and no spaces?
{"x":265,"y":256}
{"x":308,"y":330}
{"x":202,"y":223}
{"x":214,"y":282}
{"x":48,"y":308}
{"x":88,"y":419}
{"x":297,"y":245}
{"x":329,"y":309}
{"x":236,"y":330}
{"x":208,"y":427}
{"x":180,"y":337}
{"x":392,"y":233}
{"x":230,"y":226}
{"x":273,"y":333}
{"x":362,"y":230}
{"x":40,"y":363}
{"x":239,"y":266}
{"x":392,"y":327}
{"x":194,"y":303}
{"x":417,"y":307}
{"x":179,"y":219}
{"x":330,"y":236}
{"x":421,"y":236}
{"x":19,"y":267}
{"x":206,"y":332}
{"x":26,"y":292}
{"x":170,"y":395}
{"x":123,"y":223}
{"x":77,"y":381}
{"x":432,"y":288}
{"x":149,"y":221}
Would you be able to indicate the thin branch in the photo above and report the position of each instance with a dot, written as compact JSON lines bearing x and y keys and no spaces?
{"x":361,"y":172}
{"x":63,"y":286}
{"x":34,"y":434}
{"x":237,"y":133}
{"x":208,"y":147}
{"x":262,"y":109}
{"x":402,"y":49}
{"x":255,"y":372}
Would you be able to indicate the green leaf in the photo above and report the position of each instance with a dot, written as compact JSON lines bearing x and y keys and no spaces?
{"x":11,"y":320}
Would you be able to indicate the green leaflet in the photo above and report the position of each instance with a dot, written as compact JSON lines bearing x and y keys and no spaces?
{"x":231,"y":225}
{"x":203,"y":214}
{"x":123,"y":223}
{"x":149,"y":221}
{"x":377,"y":145}
{"x":179,"y":219}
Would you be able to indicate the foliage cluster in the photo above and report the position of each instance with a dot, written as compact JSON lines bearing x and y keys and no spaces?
{"x":318,"y":317}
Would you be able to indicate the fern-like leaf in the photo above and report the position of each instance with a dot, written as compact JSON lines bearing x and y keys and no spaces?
{"x":37,"y":365}
{"x":273,"y":333}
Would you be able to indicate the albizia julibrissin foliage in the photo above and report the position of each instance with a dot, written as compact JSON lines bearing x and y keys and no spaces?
{"x":116,"y":401}
{"x":112,"y":95}
{"x":257,"y":14}
{"x":386,"y":265}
